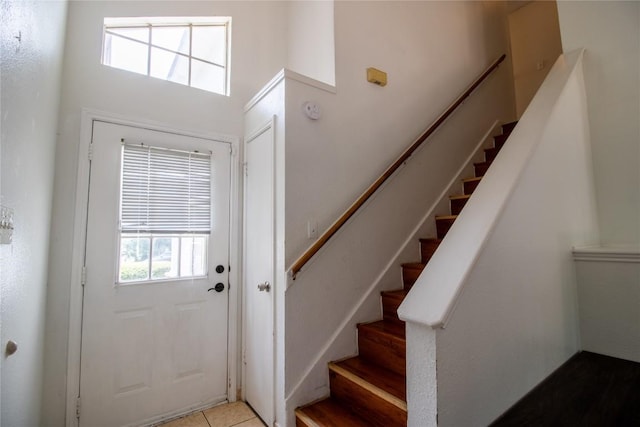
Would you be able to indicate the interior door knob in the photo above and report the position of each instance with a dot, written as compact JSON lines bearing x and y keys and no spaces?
{"x":266,"y":286}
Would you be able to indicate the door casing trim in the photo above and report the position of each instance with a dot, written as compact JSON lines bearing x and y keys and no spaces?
{"x":88,"y":116}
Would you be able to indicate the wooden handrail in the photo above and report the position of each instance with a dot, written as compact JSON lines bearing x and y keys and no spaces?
{"x":309,"y":253}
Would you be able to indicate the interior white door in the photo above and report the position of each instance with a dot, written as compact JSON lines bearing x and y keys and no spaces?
{"x":259,"y":274}
{"x":153,"y":348}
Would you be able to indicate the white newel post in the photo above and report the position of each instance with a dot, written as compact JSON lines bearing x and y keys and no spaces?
{"x":422,"y":403}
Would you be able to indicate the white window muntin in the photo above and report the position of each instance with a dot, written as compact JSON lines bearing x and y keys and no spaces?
{"x":118,"y":28}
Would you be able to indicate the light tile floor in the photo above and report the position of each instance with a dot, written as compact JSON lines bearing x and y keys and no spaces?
{"x":236,"y":414}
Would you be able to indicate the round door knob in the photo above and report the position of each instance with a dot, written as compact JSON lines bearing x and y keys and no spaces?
{"x":266,"y":286}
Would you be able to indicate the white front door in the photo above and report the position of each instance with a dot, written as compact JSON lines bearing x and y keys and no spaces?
{"x":259,"y":274}
{"x":155,"y":309}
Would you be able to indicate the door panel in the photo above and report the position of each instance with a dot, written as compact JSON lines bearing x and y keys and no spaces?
{"x":259,"y":269}
{"x":153,"y":348}
{"x":132,"y":367}
{"x":190,"y":321}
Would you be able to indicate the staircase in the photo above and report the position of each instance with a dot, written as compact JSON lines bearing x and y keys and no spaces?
{"x":369,"y":389}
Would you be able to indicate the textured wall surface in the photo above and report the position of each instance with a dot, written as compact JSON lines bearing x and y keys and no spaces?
{"x":32,"y":40}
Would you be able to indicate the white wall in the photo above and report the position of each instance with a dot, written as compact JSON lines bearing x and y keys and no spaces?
{"x":310,"y":42}
{"x":610,"y":32}
{"x":535,"y":43}
{"x":608,"y":289}
{"x":609,"y":297}
{"x":30,"y":86}
{"x":431,"y":51}
{"x":515,"y":318}
{"x":258,"y":52}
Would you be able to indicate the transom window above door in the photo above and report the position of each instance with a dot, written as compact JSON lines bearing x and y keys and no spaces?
{"x":193,"y":51}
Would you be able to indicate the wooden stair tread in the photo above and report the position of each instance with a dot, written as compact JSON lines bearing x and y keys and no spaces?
{"x":391,"y":300}
{"x":328,"y":413}
{"x":457,"y":203}
{"x":490,"y":154}
{"x":460,"y":197}
{"x":508,"y":127}
{"x":386,"y":328}
{"x":382,"y":382}
{"x":415,"y":265}
{"x":431,"y":240}
{"x":475,"y":178}
{"x":444,"y":224}
{"x":410,"y":272}
{"x":445,"y":217}
{"x":427,"y":248}
{"x":370,"y":389}
{"x":396,"y":294}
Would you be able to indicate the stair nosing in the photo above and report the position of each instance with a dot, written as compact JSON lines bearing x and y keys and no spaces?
{"x":377,"y":391}
{"x":460,"y":197}
{"x":394,"y":292}
{"x":306,"y":418}
{"x":446,"y":217}
{"x":430,"y":240}
{"x":413,"y":265}
{"x":475,"y":178}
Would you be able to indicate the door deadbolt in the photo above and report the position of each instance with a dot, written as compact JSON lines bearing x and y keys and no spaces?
{"x":220,"y":269}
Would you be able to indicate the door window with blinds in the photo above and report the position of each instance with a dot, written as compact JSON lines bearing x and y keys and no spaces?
{"x":165,"y":213}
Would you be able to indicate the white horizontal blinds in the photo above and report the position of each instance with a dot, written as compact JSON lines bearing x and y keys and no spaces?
{"x":165,"y":191}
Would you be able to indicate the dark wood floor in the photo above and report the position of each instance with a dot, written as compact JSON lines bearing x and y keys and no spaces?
{"x":588,"y":390}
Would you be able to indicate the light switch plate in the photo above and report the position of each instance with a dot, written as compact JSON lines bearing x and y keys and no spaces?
{"x":312,"y":229}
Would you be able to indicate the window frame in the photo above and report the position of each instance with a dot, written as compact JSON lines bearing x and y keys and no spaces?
{"x":172,"y":22}
{"x":150,"y":261}
{"x":161,"y":155}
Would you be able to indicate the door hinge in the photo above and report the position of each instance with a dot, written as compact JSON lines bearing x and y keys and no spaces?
{"x":246,"y":169}
{"x":90,"y":153}
{"x":83,"y":276}
{"x":78,"y":407}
